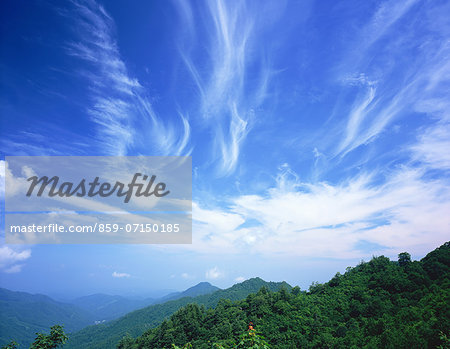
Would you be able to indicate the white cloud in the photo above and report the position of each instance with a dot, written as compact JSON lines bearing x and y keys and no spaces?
{"x":323,"y":220}
{"x":433,"y":147}
{"x":383,"y":20}
{"x":185,"y":276}
{"x":17,"y":268}
{"x":11,"y":261}
{"x":433,"y":142}
{"x":228,"y":98}
{"x":357,"y":115}
{"x":328,"y":220}
{"x":120,"y":275}
{"x":213,"y":273}
{"x":15,"y":184}
{"x":393,"y":90}
{"x":214,"y":230}
{"x":120,"y":107}
{"x":240,"y":279}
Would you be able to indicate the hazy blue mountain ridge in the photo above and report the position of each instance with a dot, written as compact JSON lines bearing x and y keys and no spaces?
{"x":23,"y":314}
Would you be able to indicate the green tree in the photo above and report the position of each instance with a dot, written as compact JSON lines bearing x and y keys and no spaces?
{"x":249,"y":340}
{"x":296,"y":291}
{"x":56,"y":338}
{"x":404,"y":258}
{"x":252,"y":340}
{"x":126,"y":342}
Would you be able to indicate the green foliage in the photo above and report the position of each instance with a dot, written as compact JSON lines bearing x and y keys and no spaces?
{"x":404,"y":259}
{"x":445,"y":341}
{"x":126,"y":342}
{"x":186,"y":346}
{"x":252,"y":340}
{"x":136,"y":323}
{"x":56,"y":338}
{"x":11,"y":345}
{"x":377,"y":304}
{"x":249,"y":340}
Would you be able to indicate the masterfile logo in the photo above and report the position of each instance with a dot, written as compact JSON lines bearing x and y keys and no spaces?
{"x":94,"y":199}
{"x":67,"y":189}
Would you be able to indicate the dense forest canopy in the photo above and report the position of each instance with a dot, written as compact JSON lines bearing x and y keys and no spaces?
{"x":378,"y":304}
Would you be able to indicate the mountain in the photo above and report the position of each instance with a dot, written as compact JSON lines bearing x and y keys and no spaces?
{"x":135,"y":323}
{"x":23,"y":314}
{"x":106,"y":307}
{"x":197,"y":290}
{"x":377,"y":304}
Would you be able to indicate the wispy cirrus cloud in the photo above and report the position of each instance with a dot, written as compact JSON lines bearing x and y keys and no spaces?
{"x":432,"y":146}
{"x":432,"y":143}
{"x":26,"y":143}
{"x":382,"y":21}
{"x":228,"y":94}
{"x":126,"y":120}
{"x":389,"y":89}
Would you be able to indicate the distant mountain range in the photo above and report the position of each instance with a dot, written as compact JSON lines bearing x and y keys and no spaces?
{"x":23,"y":314}
{"x":137,"y":322}
{"x":106,"y":307}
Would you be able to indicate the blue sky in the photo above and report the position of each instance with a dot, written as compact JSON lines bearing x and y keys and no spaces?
{"x":319,"y":131}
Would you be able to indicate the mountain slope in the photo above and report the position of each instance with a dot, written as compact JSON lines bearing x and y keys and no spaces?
{"x":135,"y":323}
{"x":23,"y":314}
{"x":201,"y":288}
{"x":378,"y":304}
{"x":106,"y":307}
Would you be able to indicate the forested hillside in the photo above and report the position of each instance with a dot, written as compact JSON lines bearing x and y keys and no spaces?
{"x":378,"y":304}
{"x":23,"y":314}
{"x":135,"y":323}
